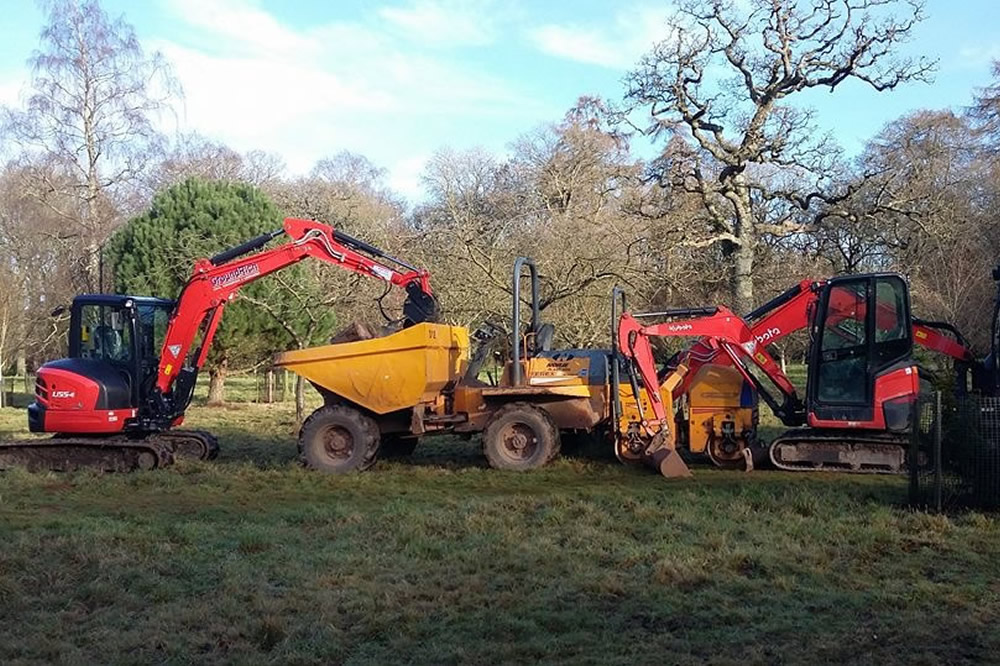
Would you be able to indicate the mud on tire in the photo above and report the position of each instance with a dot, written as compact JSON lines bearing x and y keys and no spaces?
{"x":520,"y":437}
{"x":337,"y":439}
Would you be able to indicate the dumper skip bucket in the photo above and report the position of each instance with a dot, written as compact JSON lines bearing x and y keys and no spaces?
{"x":386,"y":374}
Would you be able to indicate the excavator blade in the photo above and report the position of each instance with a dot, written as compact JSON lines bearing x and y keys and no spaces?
{"x":669,"y":463}
{"x":190,"y":444}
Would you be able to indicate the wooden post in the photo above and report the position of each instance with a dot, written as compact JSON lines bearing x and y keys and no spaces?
{"x":938,"y":471}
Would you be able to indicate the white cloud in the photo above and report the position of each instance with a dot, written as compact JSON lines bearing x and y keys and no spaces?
{"x":979,"y":55}
{"x":588,"y":45}
{"x":240,"y":94}
{"x":253,"y":82}
{"x":443,"y":23}
{"x":617,"y":45}
{"x":405,"y":176}
{"x":242,"y":27}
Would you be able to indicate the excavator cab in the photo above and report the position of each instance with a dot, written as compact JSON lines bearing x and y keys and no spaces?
{"x":125,"y":332}
{"x":862,"y":373}
{"x":114,"y":344}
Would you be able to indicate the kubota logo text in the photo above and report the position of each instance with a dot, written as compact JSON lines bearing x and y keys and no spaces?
{"x":234,"y":276}
{"x":767,"y":335}
{"x":680,"y":327}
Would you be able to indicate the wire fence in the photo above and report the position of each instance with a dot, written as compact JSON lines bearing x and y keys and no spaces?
{"x":274,"y":385}
{"x":955,"y":453}
{"x":266,"y":385}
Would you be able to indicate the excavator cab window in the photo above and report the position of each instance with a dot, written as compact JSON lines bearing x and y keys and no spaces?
{"x":892,"y":332}
{"x":152,"y":330}
{"x":862,"y":328}
{"x":105,"y":334}
{"x":843,"y":345}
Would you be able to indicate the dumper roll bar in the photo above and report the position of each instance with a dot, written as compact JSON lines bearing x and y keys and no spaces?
{"x":519,"y":265}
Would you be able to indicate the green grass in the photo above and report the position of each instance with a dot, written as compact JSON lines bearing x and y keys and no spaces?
{"x":252,"y":559}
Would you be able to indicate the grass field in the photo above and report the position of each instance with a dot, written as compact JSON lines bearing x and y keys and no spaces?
{"x":252,"y":559}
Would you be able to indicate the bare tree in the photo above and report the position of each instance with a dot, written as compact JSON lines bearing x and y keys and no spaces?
{"x":35,"y":276}
{"x":936,"y":217}
{"x":986,"y":110}
{"x":309,"y":301}
{"x":94,"y":95}
{"x":195,"y":156}
{"x":756,"y":160}
{"x":570,"y":196}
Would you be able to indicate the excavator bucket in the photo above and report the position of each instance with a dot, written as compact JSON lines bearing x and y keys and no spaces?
{"x":669,"y":463}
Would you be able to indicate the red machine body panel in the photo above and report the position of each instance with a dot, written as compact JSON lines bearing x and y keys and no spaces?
{"x":901,"y":385}
{"x":68,"y":403}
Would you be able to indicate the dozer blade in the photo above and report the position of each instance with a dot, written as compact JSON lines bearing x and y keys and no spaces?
{"x":669,"y":463}
{"x":189,"y":444}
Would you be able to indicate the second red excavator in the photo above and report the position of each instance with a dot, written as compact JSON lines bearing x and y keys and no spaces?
{"x":862,"y":378}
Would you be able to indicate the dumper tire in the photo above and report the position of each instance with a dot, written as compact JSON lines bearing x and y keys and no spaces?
{"x":337,"y":439}
{"x":520,"y":437}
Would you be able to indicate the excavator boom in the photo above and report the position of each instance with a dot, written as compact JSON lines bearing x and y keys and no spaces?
{"x":216,"y":281}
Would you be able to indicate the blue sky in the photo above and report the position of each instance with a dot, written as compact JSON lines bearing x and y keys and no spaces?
{"x":398,"y":80}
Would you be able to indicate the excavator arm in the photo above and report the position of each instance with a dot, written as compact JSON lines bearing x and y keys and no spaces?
{"x":792,"y":311}
{"x":720,"y":330}
{"x":215,"y":282}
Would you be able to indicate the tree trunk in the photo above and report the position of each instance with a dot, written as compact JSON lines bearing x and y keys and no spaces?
{"x":22,"y":363}
{"x":217,"y":384}
{"x":743,"y":247}
{"x":743,"y":302}
{"x":300,"y":399}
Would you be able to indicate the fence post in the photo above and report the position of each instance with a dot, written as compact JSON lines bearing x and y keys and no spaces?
{"x":270,"y":385}
{"x":913,"y":461}
{"x":938,"y":471}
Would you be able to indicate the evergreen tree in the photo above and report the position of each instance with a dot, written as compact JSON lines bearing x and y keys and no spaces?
{"x":154,"y":253}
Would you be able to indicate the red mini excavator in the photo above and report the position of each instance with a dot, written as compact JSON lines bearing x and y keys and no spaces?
{"x":862,"y":377}
{"x":115,"y":402}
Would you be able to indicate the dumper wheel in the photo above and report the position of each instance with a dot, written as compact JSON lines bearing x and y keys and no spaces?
{"x":520,"y":437}
{"x":337,"y":439}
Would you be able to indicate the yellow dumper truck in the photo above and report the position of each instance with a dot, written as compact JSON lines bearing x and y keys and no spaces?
{"x":422,"y":380}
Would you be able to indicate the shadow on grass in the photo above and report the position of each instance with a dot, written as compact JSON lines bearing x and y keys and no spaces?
{"x":455,"y":452}
{"x":447,"y":451}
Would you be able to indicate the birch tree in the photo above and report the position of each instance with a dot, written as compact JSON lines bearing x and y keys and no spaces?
{"x":90,"y":111}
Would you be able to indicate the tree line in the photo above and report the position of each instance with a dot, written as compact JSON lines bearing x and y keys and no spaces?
{"x":745,"y":197}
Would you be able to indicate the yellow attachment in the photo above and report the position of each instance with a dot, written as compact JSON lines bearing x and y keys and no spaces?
{"x":386,"y":374}
{"x":630,"y":421}
{"x":714,"y":397}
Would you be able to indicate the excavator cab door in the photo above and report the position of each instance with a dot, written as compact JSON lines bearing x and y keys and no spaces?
{"x":861,"y":331}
